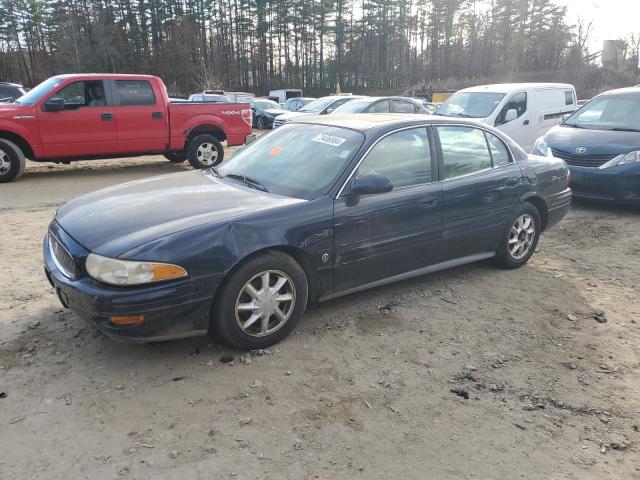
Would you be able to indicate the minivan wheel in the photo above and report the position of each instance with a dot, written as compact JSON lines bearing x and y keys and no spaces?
{"x":12,"y":161}
{"x":204,"y":151}
{"x":521,"y":238}
{"x":261,"y":301}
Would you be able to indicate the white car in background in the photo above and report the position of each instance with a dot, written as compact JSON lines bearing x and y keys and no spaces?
{"x":524,"y":111}
{"x":321,"y":106}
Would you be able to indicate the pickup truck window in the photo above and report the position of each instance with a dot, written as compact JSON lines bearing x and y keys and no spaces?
{"x":135,"y":92}
{"x":82,"y":94}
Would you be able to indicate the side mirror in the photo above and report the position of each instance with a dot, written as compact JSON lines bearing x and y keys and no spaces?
{"x":511,"y":114}
{"x":328,"y":110}
{"x":370,"y":184}
{"x":564,"y":117}
{"x":55,"y":104}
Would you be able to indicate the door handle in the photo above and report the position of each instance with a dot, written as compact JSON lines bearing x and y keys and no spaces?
{"x":429,"y":202}
{"x":156,"y":115}
{"x":106,"y":117}
{"x":526,"y":122}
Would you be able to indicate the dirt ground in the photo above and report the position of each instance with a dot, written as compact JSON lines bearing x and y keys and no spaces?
{"x":359,"y":391}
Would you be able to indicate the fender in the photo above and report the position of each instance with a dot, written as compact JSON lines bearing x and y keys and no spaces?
{"x":23,"y":123}
{"x":200,"y":120}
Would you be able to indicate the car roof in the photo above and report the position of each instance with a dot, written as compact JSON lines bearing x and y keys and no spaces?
{"x":368,"y":121}
{"x":623,"y":91}
{"x":10,"y":84}
{"x":509,"y":87}
{"x":107,"y":76}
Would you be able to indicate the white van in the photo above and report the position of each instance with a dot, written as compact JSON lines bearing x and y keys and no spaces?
{"x":282,"y":95}
{"x":524,"y":111}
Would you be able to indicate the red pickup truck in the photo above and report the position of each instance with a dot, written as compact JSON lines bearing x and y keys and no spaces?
{"x":81,"y":117}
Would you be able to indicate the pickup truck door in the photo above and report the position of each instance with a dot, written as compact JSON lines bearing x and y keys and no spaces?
{"x":141,"y":117}
{"x":85,"y":127}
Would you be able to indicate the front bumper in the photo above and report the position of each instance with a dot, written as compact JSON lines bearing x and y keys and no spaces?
{"x":171,"y":310}
{"x":618,"y":184}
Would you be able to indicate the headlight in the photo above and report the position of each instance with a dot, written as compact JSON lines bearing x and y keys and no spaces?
{"x":541,"y":147}
{"x":631,"y":157}
{"x":124,"y":272}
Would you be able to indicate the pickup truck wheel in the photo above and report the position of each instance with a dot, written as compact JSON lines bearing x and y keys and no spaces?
{"x":205,"y":151}
{"x":261,"y":301}
{"x":175,"y":157}
{"x":12,"y":162}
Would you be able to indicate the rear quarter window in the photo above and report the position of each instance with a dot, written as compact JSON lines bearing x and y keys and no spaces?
{"x":135,"y":92}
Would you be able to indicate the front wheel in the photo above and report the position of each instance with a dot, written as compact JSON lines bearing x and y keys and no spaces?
{"x":204,"y":151}
{"x":261,"y":302}
{"x":260,"y":125}
{"x":12,"y":161}
{"x":521,"y":238}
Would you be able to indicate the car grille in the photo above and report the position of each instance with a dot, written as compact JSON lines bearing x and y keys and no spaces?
{"x":582,"y":160}
{"x":61,"y":257}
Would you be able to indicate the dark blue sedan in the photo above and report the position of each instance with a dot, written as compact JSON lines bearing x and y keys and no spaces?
{"x":264,"y":112}
{"x":601,"y":144}
{"x":319,"y":208}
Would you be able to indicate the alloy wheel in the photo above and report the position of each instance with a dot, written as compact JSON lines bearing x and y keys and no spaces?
{"x":207,"y":154}
{"x":265,"y":303}
{"x":521,"y":236}
{"x":5,"y":162}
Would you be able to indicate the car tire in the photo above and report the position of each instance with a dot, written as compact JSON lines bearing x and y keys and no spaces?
{"x":260,"y":125}
{"x":175,"y":157}
{"x":520,"y":239}
{"x":244,"y":296}
{"x":204,"y":151}
{"x":12,"y":161}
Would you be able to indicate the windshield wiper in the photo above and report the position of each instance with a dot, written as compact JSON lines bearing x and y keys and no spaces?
{"x":621,"y":129}
{"x":574,"y":125}
{"x":252,"y":182}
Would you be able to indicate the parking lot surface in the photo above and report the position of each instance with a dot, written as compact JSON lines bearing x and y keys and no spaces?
{"x":475,"y":372}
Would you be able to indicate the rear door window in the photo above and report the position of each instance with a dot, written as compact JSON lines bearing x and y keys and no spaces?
{"x":499,"y":152}
{"x":401,"y":106}
{"x":568,"y":97}
{"x":135,"y":92}
{"x":403,"y":157}
{"x":464,"y":151}
{"x":378,"y":107}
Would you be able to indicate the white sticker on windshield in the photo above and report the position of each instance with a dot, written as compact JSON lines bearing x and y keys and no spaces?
{"x":329,"y":140}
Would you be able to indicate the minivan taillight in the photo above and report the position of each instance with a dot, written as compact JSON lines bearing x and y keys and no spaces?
{"x":247,"y":116}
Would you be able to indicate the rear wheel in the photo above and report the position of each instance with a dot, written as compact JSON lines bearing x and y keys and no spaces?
{"x":12,"y":161}
{"x":261,"y":302}
{"x":521,"y":238}
{"x":175,"y":157}
{"x":204,"y":151}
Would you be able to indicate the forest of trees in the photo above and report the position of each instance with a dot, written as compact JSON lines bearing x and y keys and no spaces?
{"x":365,"y":45}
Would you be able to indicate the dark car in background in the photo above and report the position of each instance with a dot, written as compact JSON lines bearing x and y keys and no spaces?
{"x":295,"y":104}
{"x":601,"y":144}
{"x":264,"y":112}
{"x":383,"y":105}
{"x":319,"y":208}
{"x":10,"y":92}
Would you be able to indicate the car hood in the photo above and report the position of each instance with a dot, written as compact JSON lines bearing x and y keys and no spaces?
{"x":595,"y":142}
{"x":293,"y":115}
{"x":274,"y":111}
{"x":114,"y":220}
{"x":9,"y":110}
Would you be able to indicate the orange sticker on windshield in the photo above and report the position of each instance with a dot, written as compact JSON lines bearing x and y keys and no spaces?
{"x":275,"y":151}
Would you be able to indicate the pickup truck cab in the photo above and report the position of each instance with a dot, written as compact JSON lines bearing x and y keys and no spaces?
{"x":88,"y":116}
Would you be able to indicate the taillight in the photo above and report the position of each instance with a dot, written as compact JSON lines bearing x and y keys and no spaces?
{"x":247,"y":116}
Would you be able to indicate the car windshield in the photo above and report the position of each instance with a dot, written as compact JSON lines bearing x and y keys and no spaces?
{"x":470,"y":104}
{"x":296,"y":160}
{"x":357,"y":106}
{"x":613,"y":112}
{"x":36,"y":93}
{"x":266,"y":104}
{"x":319,"y":104}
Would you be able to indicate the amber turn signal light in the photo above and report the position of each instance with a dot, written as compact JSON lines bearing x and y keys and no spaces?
{"x":130,"y":320}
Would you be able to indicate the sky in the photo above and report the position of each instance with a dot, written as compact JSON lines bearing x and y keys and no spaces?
{"x":612,"y":19}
